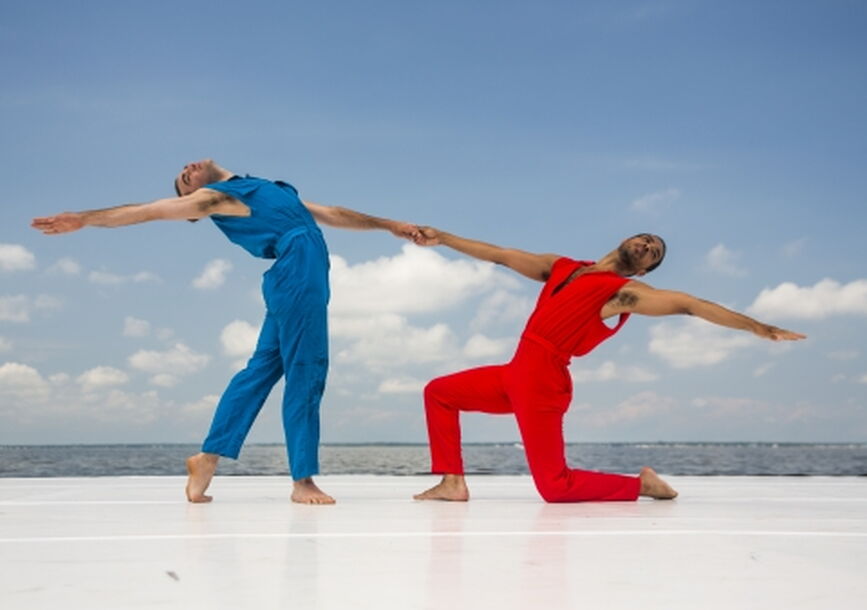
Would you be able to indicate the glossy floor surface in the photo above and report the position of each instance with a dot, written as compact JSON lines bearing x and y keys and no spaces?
{"x":726,"y":542}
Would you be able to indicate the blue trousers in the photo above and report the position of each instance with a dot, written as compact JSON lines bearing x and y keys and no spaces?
{"x":293,"y":344}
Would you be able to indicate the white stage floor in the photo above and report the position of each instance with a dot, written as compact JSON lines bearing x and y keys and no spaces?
{"x":726,"y":542}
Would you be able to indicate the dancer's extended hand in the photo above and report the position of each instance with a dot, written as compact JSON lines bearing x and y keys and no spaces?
{"x":427,"y":236}
{"x":405,"y":230}
{"x":59,"y":223}
{"x":778,"y":334}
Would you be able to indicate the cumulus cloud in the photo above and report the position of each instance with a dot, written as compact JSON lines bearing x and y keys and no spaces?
{"x":65,"y":266}
{"x":640,"y":407}
{"x":480,"y":347}
{"x":386,"y":340}
{"x":205,"y":405}
{"x":16,"y":258}
{"x":167,"y":366}
{"x":502,"y":307}
{"x":15,"y":308}
{"x":415,"y":281}
{"x":112,"y":279}
{"x":134,"y":327}
{"x":214,"y":274}
{"x":18,"y":308}
{"x":5,"y":344}
{"x":609,"y":371}
{"x":403,"y":385}
{"x":101,"y":377}
{"x":21,"y":382}
{"x":695,"y":342}
{"x":825,"y":298}
{"x":655,"y":202}
{"x":724,"y":261}
{"x":239,"y":340}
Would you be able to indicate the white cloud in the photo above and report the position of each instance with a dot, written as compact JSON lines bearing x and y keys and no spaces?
{"x":16,"y":258}
{"x":826,"y":298}
{"x":722,"y":260}
{"x":177,"y":361}
{"x":165,"y":380}
{"x":18,"y":308}
{"x":113,"y":279}
{"x":403,"y":385}
{"x":642,"y":406}
{"x":609,"y":371}
{"x":480,"y":347}
{"x":386,"y":340}
{"x":66,"y":266}
{"x":5,"y":345}
{"x":748,"y":409}
{"x":214,"y":274}
{"x":134,"y":327}
{"x":21,"y":382}
{"x":239,"y":338}
{"x":416,"y":280}
{"x":846,"y":354}
{"x":101,"y":377}
{"x":794,"y":248}
{"x":655,"y":202}
{"x":695,"y":343}
{"x":205,"y":405}
{"x":501,"y":307}
{"x":863,"y":378}
{"x":15,"y":309}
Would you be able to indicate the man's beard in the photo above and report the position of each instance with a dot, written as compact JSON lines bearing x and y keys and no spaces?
{"x":627,"y":258}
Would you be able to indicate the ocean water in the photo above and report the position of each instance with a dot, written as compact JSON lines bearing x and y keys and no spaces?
{"x":706,"y":459}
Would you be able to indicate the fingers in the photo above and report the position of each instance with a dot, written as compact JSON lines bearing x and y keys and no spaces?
{"x":779,"y":334}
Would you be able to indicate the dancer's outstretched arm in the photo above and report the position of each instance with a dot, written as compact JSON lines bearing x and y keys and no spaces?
{"x":344,"y":218}
{"x":534,"y":266}
{"x":197,"y":204}
{"x":638,"y":297}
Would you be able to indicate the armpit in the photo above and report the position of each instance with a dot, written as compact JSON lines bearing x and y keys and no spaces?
{"x":624,"y":298}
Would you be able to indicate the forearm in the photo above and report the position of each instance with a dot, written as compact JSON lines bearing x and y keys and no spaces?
{"x":474,"y":248}
{"x":118,"y":216}
{"x":344,"y":218}
{"x":717,"y":314}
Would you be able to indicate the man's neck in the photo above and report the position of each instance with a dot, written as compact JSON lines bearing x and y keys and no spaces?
{"x":612,"y":262}
{"x":223,"y":174}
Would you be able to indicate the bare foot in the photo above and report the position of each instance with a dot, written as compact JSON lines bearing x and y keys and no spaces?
{"x":200,"y":468}
{"x":304,"y":491}
{"x":453,"y":488}
{"x":653,"y":486}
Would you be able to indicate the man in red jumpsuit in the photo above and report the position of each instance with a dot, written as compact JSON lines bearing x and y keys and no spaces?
{"x":536,"y":386}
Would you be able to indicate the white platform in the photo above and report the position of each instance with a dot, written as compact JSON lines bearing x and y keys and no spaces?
{"x":727,"y":542}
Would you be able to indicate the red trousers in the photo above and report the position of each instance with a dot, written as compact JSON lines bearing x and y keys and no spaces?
{"x":537,"y":388}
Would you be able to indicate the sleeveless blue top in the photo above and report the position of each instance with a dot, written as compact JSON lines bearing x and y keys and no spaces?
{"x":276,"y":211}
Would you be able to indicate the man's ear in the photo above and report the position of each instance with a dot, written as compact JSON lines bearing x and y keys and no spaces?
{"x":640,"y":273}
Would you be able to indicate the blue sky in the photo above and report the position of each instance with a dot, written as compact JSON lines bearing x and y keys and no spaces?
{"x":734,"y":129}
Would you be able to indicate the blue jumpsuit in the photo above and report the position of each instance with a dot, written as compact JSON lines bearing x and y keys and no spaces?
{"x":293,"y":342}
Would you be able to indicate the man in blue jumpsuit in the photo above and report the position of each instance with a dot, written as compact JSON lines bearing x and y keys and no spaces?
{"x":269,"y":221}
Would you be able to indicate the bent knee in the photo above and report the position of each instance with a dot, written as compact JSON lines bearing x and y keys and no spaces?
{"x":434,"y":389}
{"x":552,"y":488}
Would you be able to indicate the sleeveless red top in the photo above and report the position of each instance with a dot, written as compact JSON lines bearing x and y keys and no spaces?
{"x":569,"y":320}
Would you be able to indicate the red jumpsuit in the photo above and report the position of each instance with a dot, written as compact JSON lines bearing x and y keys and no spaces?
{"x":536,"y":386}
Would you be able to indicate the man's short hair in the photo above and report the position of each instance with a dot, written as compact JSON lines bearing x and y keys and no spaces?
{"x":177,"y":188}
